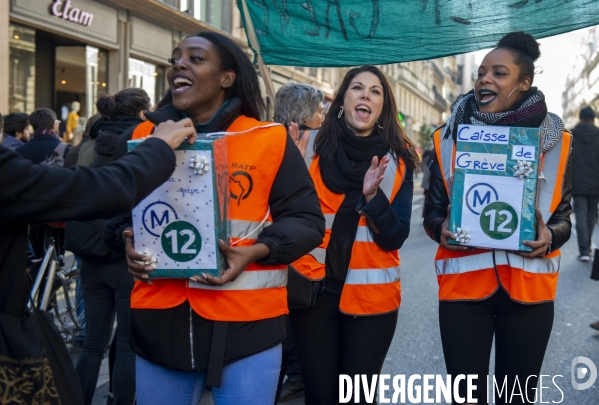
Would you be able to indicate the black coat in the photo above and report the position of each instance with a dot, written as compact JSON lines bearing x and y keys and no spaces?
{"x":163,"y":336}
{"x":438,"y":201}
{"x":31,"y":194}
{"x":40,"y":148}
{"x":585,"y":164}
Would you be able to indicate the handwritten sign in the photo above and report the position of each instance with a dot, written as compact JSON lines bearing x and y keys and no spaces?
{"x":490,"y":205}
{"x":480,"y":161}
{"x":484,"y":134}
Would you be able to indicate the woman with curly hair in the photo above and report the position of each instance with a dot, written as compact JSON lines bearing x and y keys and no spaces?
{"x":486,"y":294}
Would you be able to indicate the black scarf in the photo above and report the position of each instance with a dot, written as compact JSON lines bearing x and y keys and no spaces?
{"x":345,"y":175}
{"x":117,"y":125}
{"x":351,"y":160}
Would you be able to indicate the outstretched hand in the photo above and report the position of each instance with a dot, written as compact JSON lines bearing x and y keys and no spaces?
{"x":374,"y":176}
{"x":175,"y":133}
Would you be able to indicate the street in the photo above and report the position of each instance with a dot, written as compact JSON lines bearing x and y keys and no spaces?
{"x":416,"y":348}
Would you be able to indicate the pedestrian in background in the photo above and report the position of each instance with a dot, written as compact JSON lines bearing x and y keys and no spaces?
{"x":106,"y":283}
{"x":362,"y":165}
{"x":486,"y":294}
{"x":225,"y":331}
{"x":298,"y":107}
{"x":45,"y":138}
{"x":585,"y":180}
{"x":17,"y":130}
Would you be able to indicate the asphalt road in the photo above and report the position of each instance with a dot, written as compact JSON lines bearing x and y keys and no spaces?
{"x":416,"y":348}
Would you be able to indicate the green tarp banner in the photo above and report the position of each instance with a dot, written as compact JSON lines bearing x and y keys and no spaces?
{"x":354,"y":32}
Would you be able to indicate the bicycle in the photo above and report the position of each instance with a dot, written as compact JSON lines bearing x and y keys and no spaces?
{"x":58,"y":294}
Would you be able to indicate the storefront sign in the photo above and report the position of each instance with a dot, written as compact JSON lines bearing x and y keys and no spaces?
{"x":64,"y":10}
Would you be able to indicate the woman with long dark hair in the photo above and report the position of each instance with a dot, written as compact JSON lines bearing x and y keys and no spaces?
{"x":106,"y":286}
{"x":499,"y":295}
{"x":225,"y":332}
{"x":362,"y":165}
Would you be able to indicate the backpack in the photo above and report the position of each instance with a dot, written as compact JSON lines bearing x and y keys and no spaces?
{"x":86,"y":238}
{"x":56,"y":159}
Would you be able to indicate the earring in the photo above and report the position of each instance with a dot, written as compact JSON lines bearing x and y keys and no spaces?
{"x":378,"y":125}
{"x":340,"y":113}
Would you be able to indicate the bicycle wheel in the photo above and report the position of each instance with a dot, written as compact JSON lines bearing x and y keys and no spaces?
{"x":64,"y":305}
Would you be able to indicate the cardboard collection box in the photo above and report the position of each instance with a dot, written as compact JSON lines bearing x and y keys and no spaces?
{"x":494,"y":189}
{"x":179,"y":224}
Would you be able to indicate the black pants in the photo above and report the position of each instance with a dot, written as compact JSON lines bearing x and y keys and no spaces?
{"x":585,"y":209}
{"x":330,"y":343}
{"x":521,"y":335}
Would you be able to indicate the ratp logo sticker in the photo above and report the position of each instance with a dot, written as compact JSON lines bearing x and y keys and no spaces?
{"x":579,"y":373}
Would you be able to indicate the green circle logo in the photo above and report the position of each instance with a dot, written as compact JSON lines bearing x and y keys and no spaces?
{"x":181,"y":241}
{"x":499,"y":220}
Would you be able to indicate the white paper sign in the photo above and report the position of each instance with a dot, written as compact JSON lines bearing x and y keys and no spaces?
{"x":524,"y":152}
{"x":480,"y":161}
{"x":185,"y":225}
{"x":484,"y":134}
{"x":492,"y":205}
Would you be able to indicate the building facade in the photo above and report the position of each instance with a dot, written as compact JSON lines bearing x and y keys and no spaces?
{"x":582,"y":85}
{"x":56,"y":52}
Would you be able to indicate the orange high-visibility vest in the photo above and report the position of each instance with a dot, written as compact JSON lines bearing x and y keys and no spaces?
{"x":475,"y":275}
{"x":255,"y":153}
{"x":372,"y":284}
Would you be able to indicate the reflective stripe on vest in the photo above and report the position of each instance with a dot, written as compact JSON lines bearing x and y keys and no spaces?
{"x":259,"y":292}
{"x":372,"y":282}
{"x":473,"y":275}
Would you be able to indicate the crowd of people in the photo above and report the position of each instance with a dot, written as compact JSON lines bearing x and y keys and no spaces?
{"x":337,"y":192}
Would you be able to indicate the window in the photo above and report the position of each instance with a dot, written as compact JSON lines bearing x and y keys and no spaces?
{"x":149,"y":77}
{"x":21,"y":87}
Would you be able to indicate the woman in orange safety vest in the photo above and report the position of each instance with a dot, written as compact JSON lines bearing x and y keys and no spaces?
{"x":362,"y":165}
{"x":486,"y":294}
{"x":225,"y":332}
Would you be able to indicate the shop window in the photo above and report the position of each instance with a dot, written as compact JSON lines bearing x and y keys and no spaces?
{"x":81,"y":75}
{"x":21,"y":90}
{"x":149,"y":77}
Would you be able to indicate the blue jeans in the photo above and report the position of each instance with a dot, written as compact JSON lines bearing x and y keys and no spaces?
{"x":106,"y":291}
{"x":249,"y":381}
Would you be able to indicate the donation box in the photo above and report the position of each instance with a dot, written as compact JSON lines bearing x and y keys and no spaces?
{"x":494,"y":189}
{"x":179,"y":224}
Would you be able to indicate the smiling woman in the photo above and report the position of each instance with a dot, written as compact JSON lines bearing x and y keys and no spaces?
{"x":226,"y":331}
{"x":500,"y":295}
{"x":362,"y":164}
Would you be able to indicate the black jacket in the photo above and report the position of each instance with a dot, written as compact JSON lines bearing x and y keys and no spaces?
{"x":436,"y":208}
{"x":163,"y":336}
{"x":585,"y":165}
{"x":40,"y":148}
{"x":32,"y":194}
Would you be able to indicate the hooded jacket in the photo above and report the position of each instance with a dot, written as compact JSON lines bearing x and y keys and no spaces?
{"x":585,"y":164}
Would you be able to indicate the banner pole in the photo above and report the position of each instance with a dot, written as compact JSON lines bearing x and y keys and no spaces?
{"x":253,"y":38}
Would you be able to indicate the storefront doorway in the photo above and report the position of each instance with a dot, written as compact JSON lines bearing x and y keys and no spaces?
{"x":80,"y":77}
{"x":52,"y":71}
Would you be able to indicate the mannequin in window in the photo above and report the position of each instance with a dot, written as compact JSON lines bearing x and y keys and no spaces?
{"x":72,"y":120}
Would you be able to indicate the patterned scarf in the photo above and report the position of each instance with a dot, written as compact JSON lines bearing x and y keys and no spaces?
{"x":529,"y":111}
